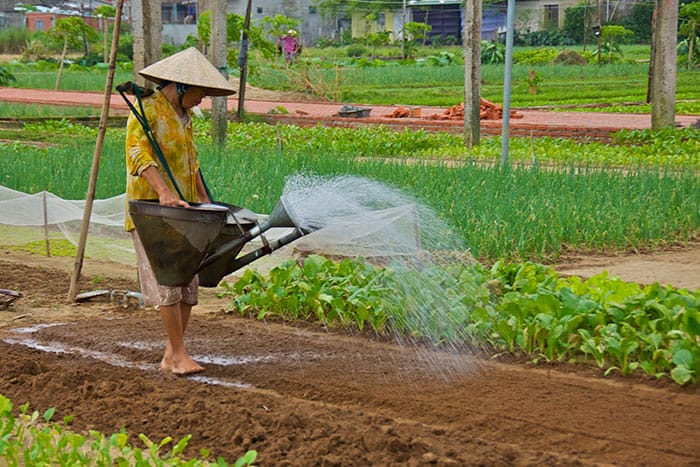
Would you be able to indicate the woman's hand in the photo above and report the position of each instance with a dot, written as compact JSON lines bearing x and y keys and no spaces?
{"x":165,"y":196}
{"x":168,"y":198}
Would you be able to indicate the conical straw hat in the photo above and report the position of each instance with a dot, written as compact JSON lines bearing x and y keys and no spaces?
{"x":189,"y":67}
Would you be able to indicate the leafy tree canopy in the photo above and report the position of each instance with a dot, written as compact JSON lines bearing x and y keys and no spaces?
{"x":235,"y":24}
{"x":72,"y":31}
{"x":278,"y":25}
{"x":350,"y":6}
{"x":106,"y":11}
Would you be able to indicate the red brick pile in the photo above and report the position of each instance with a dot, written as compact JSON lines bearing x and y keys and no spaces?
{"x":404,"y":112}
{"x":487,"y":111}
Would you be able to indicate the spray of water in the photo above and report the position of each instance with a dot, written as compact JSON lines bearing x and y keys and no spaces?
{"x":360,"y":217}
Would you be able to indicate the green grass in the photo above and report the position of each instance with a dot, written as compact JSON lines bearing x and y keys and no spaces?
{"x":520,"y":213}
{"x":58,"y":246}
{"x":14,"y":110}
{"x":70,"y":80}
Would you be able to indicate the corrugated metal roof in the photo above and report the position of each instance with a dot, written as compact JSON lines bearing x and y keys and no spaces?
{"x":432,"y":2}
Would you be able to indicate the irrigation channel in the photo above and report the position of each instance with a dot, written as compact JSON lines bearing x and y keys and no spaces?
{"x":302,"y":394}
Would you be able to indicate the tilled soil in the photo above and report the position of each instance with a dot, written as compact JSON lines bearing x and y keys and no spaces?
{"x":305,"y":395}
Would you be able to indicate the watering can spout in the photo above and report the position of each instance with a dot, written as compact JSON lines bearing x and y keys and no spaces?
{"x":278,"y":218}
{"x":283,"y":215}
{"x":223,"y":259}
{"x":266,"y":249}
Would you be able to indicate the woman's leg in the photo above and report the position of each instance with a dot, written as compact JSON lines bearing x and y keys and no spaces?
{"x":176,"y":359}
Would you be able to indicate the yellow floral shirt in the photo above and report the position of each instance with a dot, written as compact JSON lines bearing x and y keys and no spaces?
{"x":176,"y":140}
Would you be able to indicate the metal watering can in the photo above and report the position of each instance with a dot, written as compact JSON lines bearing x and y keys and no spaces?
{"x":205,"y":239}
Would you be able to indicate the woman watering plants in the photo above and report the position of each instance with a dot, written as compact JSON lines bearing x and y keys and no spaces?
{"x":168,"y":170}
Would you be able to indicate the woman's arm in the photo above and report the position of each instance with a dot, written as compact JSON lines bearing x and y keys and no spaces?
{"x":201,"y":189}
{"x":165,"y":196}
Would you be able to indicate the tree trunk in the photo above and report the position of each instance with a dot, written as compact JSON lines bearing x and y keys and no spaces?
{"x":217,"y":55}
{"x":600,"y":26}
{"x":691,"y":47}
{"x":663,"y":91}
{"x":60,"y":66}
{"x":105,"y":51}
{"x":472,"y":72}
{"x":202,"y":6}
{"x":243,"y":62}
{"x":146,"y":30}
{"x":652,"y":54}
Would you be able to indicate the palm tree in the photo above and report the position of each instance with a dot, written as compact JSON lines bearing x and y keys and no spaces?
{"x":71,"y":31}
{"x":105,"y":12}
{"x":691,"y":24}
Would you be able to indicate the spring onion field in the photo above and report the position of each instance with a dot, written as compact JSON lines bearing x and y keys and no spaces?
{"x":579,"y":196}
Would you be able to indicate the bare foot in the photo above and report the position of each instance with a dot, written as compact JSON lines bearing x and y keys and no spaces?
{"x":166,"y":364}
{"x":184,"y":366}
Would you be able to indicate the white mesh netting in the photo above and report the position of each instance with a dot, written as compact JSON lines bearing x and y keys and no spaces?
{"x":386,"y":232}
{"x":34,"y":221}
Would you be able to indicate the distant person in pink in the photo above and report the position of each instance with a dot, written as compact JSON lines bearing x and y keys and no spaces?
{"x":289,"y":45}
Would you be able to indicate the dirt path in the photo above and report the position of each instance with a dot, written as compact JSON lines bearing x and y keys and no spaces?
{"x":678,"y":266}
{"x":303,"y":395}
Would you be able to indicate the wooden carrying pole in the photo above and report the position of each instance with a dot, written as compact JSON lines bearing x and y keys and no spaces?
{"x":87,"y":212}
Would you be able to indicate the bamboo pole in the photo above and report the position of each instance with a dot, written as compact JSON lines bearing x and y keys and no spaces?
{"x":46,"y":226}
{"x":89,"y":198}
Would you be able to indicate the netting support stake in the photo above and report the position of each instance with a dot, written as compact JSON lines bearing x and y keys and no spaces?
{"x":46,"y":227}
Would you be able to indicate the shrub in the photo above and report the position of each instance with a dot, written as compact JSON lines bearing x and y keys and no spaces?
{"x":356,"y":50}
{"x":492,"y":52}
{"x":442,"y":59}
{"x":543,"y":38}
{"x":540,"y":56}
{"x":34,"y":50}
{"x":5,"y":76}
{"x":575,"y":20}
{"x":442,"y":40}
{"x":639,"y":21}
{"x":570,"y":57}
{"x":325,"y":42}
{"x":13,"y":40}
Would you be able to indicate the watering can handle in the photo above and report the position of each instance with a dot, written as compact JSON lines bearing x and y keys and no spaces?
{"x":132,"y":88}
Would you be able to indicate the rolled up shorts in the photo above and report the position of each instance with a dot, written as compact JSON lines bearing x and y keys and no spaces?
{"x":153,"y":293}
